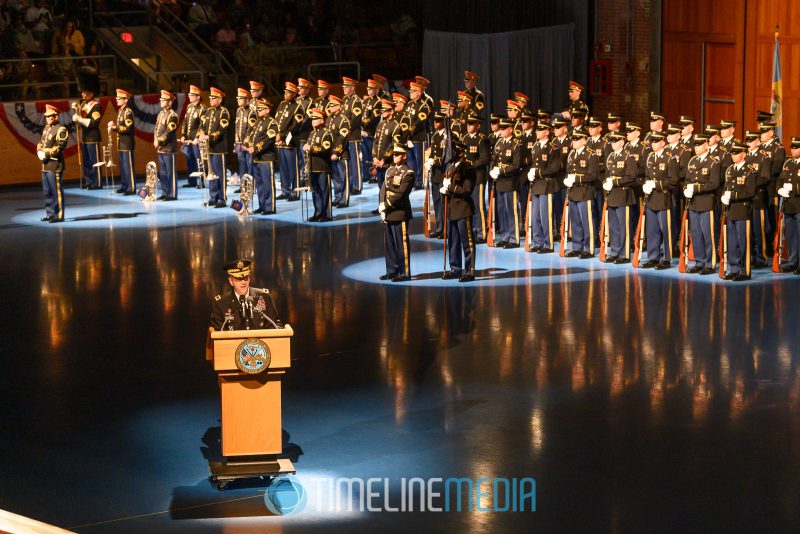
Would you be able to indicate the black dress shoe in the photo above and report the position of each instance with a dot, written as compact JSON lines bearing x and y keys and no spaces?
{"x":544,"y":250}
{"x":293,"y":199}
{"x":355,"y":192}
{"x":171,"y":198}
{"x":450,"y":275}
{"x":93,"y":187}
{"x":273,"y":212}
{"x":220,"y":204}
{"x":783,"y":269}
{"x":511,"y":245}
{"x":259,"y":211}
{"x":480,"y":241}
{"x":280,"y":197}
{"x":694,"y":270}
{"x":48,"y":217}
{"x":609,"y":259}
{"x":707,"y":271}
{"x":128,"y":193}
{"x":343,"y":205}
{"x":121,"y":190}
{"x":621,"y":260}
{"x":662,"y":265}
{"x":649,"y":264}
{"x":401,"y":278}
{"x":573,"y":254}
{"x":313,"y":218}
{"x":535,"y":249}
{"x":759,"y":265}
{"x":586,"y":255}
{"x":85,"y":186}
{"x":54,"y":220}
{"x":500,"y":244}
{"x":386,"y":276}
{"x":796,"y":271}
{"x":741,"y":277}
{"x":376,"y":212}
{"x":189,"y":185}
{"x":730,"y":276}
{"x":162,"y":197}
{"x":467,"y":278}
{"x":325,"y":219}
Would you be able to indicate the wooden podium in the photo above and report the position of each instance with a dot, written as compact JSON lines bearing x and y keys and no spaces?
{"x":251,"y":401}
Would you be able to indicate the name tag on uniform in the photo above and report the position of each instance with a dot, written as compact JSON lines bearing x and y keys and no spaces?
{"x":544,"y":157}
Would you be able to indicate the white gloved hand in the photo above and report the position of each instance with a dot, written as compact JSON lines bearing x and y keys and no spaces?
{"x":410,"y":144}
{"x":443,"y":190}
{"x":75,"y":117}
{"x":428,"y":164}
{"x":608,"y":185}
{"x":569,"y":181}
{"x":364,"y":134}
{"x":532,"y":174}
{"x":726,"y":198}
{"x":688,"y":192}
{"x":446,"y":182}
{"x":647,"y":188}
{"x":652,"y":184}
{"x":381,"y":207}
{"x":41,"y":155}
{"x":784,"y":191}
{"x":383,"y":216}
{"x":494,"y":173}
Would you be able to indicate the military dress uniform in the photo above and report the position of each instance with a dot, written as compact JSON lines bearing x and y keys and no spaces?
{"x":165,"y":133}
{"x":775,"y":155}
{"x":638,"y":150}
{"x":418,"y":113}
{"x":125,"y":146}
{"x":89,"y":127}
{"x":507,"y":164}
{"x":621,"y":171}
{"x":250,"y":311}
{"x":789,"y":183}
{"x":189,"y":129}
{"x":477,"y":154}
{"x":395,"y":211}
{"x":436,"y":177}
{"x":544,"y":185}
{"x":290,"y":118}
{"x":51,"y":151}
{"x":214,"y":123}
{"x":597,"y":144}
{"x":246,"y":119}
{"x":387,"y":134}
{"x":702,"y":181}
{"x":306,"y":103}
{"x":527,"y":139}
{"x":740,"y":188}
{"x":459,"y":180}
{"x":477,"y":98}
{"x":370,"y":117}
{"x":352,"y":108}
{"x":663,"y":176}
{"x":761,"y":226}
{"x":582,"y":168}
{"x":340,"y":128}
{"x":321,"y":146}
{"x":563,"y":147}
{"x":262,"y":139}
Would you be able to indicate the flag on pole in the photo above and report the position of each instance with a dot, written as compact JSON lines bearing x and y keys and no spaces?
{"x":776,"y":106}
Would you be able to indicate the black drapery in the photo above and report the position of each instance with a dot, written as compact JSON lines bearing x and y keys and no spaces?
{"x":537,"y":62}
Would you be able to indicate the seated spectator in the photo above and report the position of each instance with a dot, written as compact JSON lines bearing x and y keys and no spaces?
{"x":22,"y":72}
{"x":91,"y":64}
{"x":72,"y":38}
{"x":23,"y":38}
{"x":40,"y":19}
{"x":203,"y":19}
{"x":246,"y":56}
{"x":61,"y":69}
{"x":225,"y":39}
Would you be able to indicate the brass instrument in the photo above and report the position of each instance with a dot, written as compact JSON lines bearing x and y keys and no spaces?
{"x":76,"y":107}
{"x":148,"y":192}
{"x":202,"y":142}
{"x":108,"y":161}
{"x":304,"y":185}
{"x":242,"y":206}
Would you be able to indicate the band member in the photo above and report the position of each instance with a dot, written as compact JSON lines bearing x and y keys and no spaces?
{"x":575,"y":103}
{"x":125,"y":143}
{"x":395,"y":211}
{"x":544,"y":183}
{"x":660,"y":182}
{"x":339,"y":126}
{"x":260,"y":144}
{"x":256,"y":90}
{"x":514,"y":109}
{"x":761,"y":227}
{"x":370,"y":117}
{"x":323,"y":91}
{"x":305,"y":102}
{"x":245,"y":120}
{"x":425,"y":83}
{"x":462,"y":112}
{"x":87,"y":118}
{"x":401,"y":117}
{"x":523,"y":101}
{"x":459,"y":179}
{"x":321,"y":146}
{"x":290,"y":119}
{"x":166,"y":143}
{"x":581,"y":176}
{"x":478,"y":153}
{"x":214,"y":127}
{"x":477,"y":98}
{"x":789,"y":193}
{"x":387,"y":134}
{"x":702,"y":182}
{"x":506,"y":166}
{"x":621,"y":175}
{"x":682,"y":154}
{"x":352,"y":109}
{"x":434,"y":168}
{"x":737,"y":197}
{"x":417,"y":110}
{"x":384,"y":85}
{"x":243,"y":307}
{"x":50,"y":151}
{"x":189,"y":129}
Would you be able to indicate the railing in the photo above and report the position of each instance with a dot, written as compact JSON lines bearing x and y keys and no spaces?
{"x":41,"y":66}
{"x":316,"y":69}
{"x":199,"y":79}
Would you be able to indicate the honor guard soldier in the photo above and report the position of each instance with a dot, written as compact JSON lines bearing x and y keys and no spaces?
{"x":401,"y":117}
{"x":478,"y":153}
{"x":165,"y":140}
{"x":621,"y":175}
{"x":523,"y":101}
{"x":191,"y":124}
{"x":657,"y":121}
{"x":737,"y":199}
{"x":727,"y":132}
{"x":461,"y":113}
{"x":506,"y":167}
{"x":527,"y":139}
{"x":574,"y":90}
{"x":760,"y":163}
{"x":50,"y":151}
{"x":418,"y":111}
{"x":459,"y":180}
{"x":494,"y":129}
{"x":434,"y":170}
{"x":395,"y":212}
{"x":87,"y":117}
{"x":260,"y":144}
{"x":243,"y":307}
{"x":256,"y":90}
{"x":387,"y":134}
{"x":789,"y":193}
{"x":370,"y":117}
{"x":716,"y":149}
{"x":687,"y":132}
{"x":636,"y":149}
{"x":763,"y":117}
{"x":214,"y":128}
{"x":773,"y":151}
{"x":563,"y":145}
{"x":383,"y":82}
{"x":477,"y":98}
{"x":682,"y":155}
{"x":290,"y":119}
{"x":660,"y":182}
{"x":125,"y":142}
{"x":339,"y":127}
{"x":305,"y":102}
{"x":596,"y":143}
{"x":577,"y":118}
{"x":543,"y":175}
{"x":320,"y":153}
{"x":245,"y":120}
{"x":702,"y":182}
{"x":580,"y":180}
{"x":353,"y":110}
{"x":323,"y":91}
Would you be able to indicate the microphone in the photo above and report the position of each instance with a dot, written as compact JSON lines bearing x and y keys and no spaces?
{"x":264,"y":315}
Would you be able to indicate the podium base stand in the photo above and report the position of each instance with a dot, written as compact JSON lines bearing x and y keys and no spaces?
{"x":230,"y":469}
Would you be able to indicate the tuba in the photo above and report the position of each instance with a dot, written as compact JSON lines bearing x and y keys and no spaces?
{"x":148,"y":192}
{"x":242,"y":206}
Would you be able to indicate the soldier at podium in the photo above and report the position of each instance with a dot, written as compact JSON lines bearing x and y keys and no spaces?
{"x":243,"y":307}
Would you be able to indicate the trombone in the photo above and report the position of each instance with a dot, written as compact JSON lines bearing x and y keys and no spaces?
{"x":107,"y":162}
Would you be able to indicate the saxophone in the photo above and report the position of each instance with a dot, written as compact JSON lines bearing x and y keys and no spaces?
{"x":242,"y":206}
{"x":148,"y":192}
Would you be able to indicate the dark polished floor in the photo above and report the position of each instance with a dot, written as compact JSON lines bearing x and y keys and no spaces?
{"x":639,"y":401}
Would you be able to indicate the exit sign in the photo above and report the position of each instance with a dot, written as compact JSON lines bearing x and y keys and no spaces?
{"x":127,"y":37}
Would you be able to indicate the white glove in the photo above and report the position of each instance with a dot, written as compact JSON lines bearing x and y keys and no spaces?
{"x":784,"y":191}
{"x":410,"y":144}
{"x":443,"y":190}
{"x":608,"y":185}
{"x":569,"y":181}
{"x":40,"y":154}
{"x":75,"y":117}
{"x":726,"y":198}
{"x":381,"y":207}
{"x":648,"y":187}
{"x":428,"y":164}
{"x":532,"y":174}
{"x":688,"y":192}
{"x":364,"y":134}
{"x":383,"y":216}
{"x":494,"y":173}
{"x":446,"y":183}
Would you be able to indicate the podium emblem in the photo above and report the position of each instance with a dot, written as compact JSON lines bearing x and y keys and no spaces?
{"x":253,"y":356}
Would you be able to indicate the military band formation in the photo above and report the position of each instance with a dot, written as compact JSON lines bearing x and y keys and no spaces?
{"x":713,"y":202}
